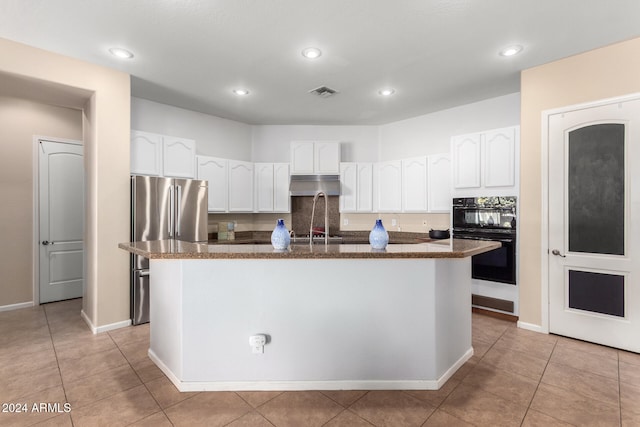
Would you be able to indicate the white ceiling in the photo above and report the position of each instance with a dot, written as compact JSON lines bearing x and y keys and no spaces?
{"x":436,"y":54}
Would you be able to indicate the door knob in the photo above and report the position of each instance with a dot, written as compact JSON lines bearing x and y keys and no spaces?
{"x":46,"y":242}
{"x":557,"y":253}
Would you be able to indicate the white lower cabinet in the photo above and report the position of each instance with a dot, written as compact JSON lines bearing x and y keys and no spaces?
{"x":356,"y":187}
{"x":240,"y":186}
{"x":439,"y":183}
{"x":272,"y":187}
{"x":214,"y":170}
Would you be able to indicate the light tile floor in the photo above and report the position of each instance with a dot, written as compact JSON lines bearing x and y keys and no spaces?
{"x":515,"y":378}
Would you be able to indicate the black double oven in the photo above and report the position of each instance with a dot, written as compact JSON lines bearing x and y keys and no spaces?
{"x":489,"y":218}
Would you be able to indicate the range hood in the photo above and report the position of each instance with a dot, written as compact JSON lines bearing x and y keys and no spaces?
{"x":309,"y":185}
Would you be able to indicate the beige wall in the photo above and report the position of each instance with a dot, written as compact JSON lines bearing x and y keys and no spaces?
{"x":20,"y":120}
{"x":106,"y":129}
{"x":603,"y":73}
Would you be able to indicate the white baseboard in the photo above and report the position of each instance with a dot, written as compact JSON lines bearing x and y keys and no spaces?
{"x":531,"y":327}
{"x":185,"y":386}
{"x":18,"y":306}
{"x":104,"y":328}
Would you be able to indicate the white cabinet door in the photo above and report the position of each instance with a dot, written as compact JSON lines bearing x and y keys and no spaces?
{"x":499,"y":158}
{"x":179,"y":157}
{"x":146,"y":153}
{"x":439,"y":183}
{"x":264,"y":188}
{"x":364,"y":189}
{"x":281,"y":196}
{"x":348,"y":187}
{"x":272,"y":187}
{"x":466,"y":161}
{"x":390,"y":186}
{"x":326,"y":157}
{"x":315,"y":157}
{"x":302,"y":157}
{"x":214,"y":170}
{"x":414,"y":184}
{"x":240,"y":186}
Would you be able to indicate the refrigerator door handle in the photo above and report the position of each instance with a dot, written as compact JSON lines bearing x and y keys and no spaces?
{"x":171,"y":210}
{"x":178,"y":210}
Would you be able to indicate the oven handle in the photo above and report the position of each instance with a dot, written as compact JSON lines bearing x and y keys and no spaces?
{"x":484,"y":238}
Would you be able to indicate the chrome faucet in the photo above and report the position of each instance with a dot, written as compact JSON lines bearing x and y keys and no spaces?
{"x":326,"y":217}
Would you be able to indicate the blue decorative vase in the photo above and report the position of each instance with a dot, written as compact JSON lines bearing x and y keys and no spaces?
{"x":378,"y":238}
{"x":280,"y":237}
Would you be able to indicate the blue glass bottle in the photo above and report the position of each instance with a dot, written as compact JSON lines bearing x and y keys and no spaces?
{"x":280,"y":237}
{"x":378,"y":237}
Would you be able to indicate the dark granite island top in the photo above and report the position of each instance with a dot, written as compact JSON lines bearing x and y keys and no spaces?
{"x":175,"y":249}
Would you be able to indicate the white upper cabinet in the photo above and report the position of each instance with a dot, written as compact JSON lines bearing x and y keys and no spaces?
{"x":439,"y":183}
{"x":214,"y":170}
{"x":146,"y":153}
{"x":389,"y":179}
{"x":414,"y":184}
{"x":240,"y":186}
{"x":499,"y":158}
{"x":161,"y":155}
{"x":272,"y":187}
{"x":486,"y":163}
{"x":356,"y":187}
{"x":281,"y":197}
{"x":179,"y":157}
{"x":466,"y":161}
{"x":315,"y":157}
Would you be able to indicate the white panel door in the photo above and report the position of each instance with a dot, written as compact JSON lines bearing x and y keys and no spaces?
{"x":264,"y":187}
{"x":364,"y":189}
{"x":414,"y":184}
{"x":302,"y":157}
{"x":240,"y":186}
{"x":466,"y":161}
{"x":281,"y":196}
{"x":61,"y":206}
{"x":146,"y":153}
{"x":326,"y":157}
{"x":348,"y":187}
{"x":179,"y":157}
{"x":594,"y":224}
{"x":214,"y":171}
{"x":390,"y":186}
{"x":499,"y":158}
{"x":439,"y":183}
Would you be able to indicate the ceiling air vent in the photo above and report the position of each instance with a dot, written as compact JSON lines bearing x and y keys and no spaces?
{"x":323,"y":91}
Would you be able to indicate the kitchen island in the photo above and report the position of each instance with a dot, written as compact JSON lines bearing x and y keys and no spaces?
{"x":339,"y":316}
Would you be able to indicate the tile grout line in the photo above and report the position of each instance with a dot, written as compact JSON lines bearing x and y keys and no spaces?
{"x":462,"y":380}
{"x":55,"y":352}
{"x":142,"y":382}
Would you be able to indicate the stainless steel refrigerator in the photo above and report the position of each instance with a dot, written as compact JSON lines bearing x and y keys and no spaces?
{"x":162,"y":209}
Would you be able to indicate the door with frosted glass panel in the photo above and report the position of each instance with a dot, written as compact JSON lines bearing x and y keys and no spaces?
{"x":594,"y":213}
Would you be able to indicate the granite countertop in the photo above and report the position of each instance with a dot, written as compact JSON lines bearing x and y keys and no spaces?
{"x":176,"y":249}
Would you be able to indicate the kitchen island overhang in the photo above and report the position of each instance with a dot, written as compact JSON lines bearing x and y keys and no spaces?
{"x":349,"y":318}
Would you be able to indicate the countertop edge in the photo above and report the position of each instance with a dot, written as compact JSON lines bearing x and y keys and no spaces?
{"x":185,"y":250}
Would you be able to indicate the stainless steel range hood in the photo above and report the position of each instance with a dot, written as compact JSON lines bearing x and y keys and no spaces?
{"x":309,"y":185}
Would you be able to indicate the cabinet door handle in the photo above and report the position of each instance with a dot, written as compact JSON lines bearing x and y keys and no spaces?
{"x":557,"y":253}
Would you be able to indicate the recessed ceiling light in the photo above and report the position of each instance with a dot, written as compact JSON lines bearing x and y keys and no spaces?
{"x":386,"y":92}
{"x":511,"y":50}
{"x":121,"y":53}
{"x":311,"y":53}
{"x":241,"y":92}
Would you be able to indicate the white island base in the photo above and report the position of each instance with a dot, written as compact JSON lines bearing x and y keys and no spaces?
{"x":333,"y":324}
